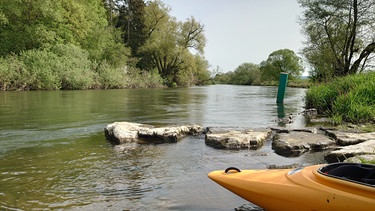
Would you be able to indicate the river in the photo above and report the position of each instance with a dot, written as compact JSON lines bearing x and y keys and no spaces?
{"x":54,"y":156}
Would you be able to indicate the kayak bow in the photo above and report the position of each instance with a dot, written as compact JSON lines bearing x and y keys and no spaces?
{"x":313,"y":188}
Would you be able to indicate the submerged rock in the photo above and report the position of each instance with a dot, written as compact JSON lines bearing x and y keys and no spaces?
{"x":127,"y":132}
{"x":249,"y":207}
{"x":234,"y":139}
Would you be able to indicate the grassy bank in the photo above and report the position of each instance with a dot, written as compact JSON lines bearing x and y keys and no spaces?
{"x":348,"y":99}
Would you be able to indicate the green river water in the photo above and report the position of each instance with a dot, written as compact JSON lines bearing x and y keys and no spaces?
{"x":54,"y":156}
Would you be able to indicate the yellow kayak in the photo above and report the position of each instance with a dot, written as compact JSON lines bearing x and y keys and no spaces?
{"x":339,"y":186}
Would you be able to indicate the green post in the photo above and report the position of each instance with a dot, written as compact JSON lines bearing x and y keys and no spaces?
{"x":282,"y":87}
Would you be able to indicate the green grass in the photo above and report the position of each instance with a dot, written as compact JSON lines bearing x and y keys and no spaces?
{"x":348,"y":99}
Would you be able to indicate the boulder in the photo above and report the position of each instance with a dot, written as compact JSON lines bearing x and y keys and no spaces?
{"x":124,"y":132}
{"x":349,"y":138}
{"x":295,"y":143}
{"x":234,"y":139}
{"x":345,"y":152}
{"x":127,"y":132}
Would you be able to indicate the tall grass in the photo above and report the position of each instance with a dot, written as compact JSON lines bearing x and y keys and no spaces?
{"x":347,"y":99}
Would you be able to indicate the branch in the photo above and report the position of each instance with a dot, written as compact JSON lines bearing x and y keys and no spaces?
{"x":364,"y":54}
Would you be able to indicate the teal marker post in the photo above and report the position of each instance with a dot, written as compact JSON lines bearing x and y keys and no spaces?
{"x":282,"y":87}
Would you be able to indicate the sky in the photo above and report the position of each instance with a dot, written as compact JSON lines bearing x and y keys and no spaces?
{"x":243,"y":31}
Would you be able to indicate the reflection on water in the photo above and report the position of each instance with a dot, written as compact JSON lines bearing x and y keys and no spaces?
{"x":54,"y":154}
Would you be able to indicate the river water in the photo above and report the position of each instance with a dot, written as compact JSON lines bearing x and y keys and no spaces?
{"x":54,"y":156}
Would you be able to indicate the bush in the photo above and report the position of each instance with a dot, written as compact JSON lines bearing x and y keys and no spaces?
{"x":41,"y":68}
{"x":349,"y":99}
{"x":109,"y":77}
{"x":13,"y":74}
{"x":142,"y":79}
{"x":66,"y":66}
{"x":73,"y":67}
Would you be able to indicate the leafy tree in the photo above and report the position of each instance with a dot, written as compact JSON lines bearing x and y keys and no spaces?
{"x":340,"y":36}
{"x":246,"y":74}
{"x":283,"y":60}
{"x":42,"y":24}
{"x":169,"y":42}
{"x":191,"y":35}
{"x":131,"y":20}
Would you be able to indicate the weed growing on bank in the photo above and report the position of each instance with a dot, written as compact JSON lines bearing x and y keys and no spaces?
{"x":348,"y":99}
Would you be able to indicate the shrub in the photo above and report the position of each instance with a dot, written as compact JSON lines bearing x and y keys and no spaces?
{"x":109,"y":77}
{"x":73,"y":67}
{"x":41,"y":66}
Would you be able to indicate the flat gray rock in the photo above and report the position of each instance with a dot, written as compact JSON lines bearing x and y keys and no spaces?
{"x":234,"y":139}
{"x":127,"y":132}
{"x":348,"y":138}
{"x":295,"y":143}
{"x":345,"y":152}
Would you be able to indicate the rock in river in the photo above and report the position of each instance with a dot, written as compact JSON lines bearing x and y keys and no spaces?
{"x":295,"y":143}
{"x":348,"y":138}
{"x":234,"y":139}
{"x":364,"y":148}
{"x":125,"y":132}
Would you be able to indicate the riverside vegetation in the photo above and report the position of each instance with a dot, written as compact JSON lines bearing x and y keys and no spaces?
{"x":58,"y":44}
{"x":346,"y":99}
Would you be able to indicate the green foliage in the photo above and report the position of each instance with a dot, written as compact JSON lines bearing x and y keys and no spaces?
{"x":143,"y":79}
{"x":363,"y":160}
{"x":3,"y":19}
{"x":223,"y":78}
{"x":63,"y":67}
{"x":73,"y":67}
{"x":348,"y":99}
{"x":169,"y":47}
{"x":246,"y":74}
{"x":131,"y":21}
{"x":283,"y":60}
{"x":337,"y":36}
{"x":109,"y":77}
{"x":41,"y":65}
{"x":13,"y":74}
{"x":68,"y":44}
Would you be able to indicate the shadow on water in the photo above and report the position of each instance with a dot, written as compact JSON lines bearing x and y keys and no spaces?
{"x":54,"y":154}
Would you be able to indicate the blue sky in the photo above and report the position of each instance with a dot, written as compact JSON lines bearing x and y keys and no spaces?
{"x":240,"y":31}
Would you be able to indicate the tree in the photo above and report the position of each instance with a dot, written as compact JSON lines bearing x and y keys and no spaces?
{"x":340,"y":36}
{"x":283,"y":60}
{"x":131,"y":20}
{"x":192,"y":36}
{"x":42,"y":24}
{"x":167,"y":47}
{"x":246,"y":74}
